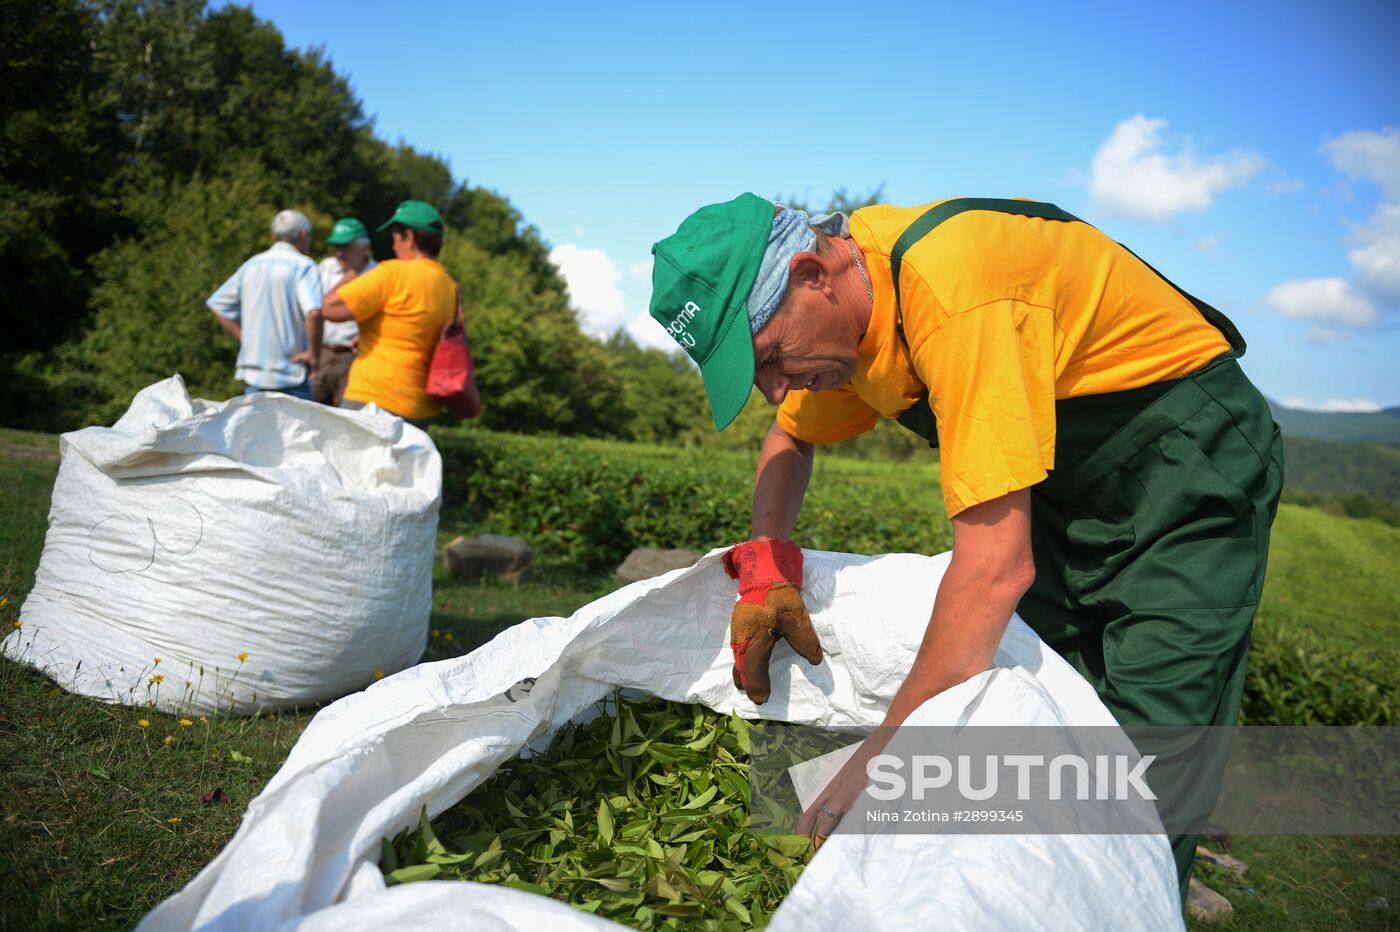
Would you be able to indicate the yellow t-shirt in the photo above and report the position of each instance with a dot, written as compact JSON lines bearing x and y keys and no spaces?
{"x":1004,"y":314}
{"x":401,"y":307}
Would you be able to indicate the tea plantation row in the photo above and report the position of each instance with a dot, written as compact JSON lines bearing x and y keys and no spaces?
{"x":590,"y":502}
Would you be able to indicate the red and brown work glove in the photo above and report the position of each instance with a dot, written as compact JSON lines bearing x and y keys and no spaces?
{"x":769,"y":607}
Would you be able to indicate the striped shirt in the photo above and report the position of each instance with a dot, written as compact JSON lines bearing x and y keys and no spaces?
{"x":270,"y":295}
{"x":337,"y":333}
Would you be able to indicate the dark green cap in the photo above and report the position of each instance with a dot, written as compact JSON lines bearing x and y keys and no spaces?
{"x":418,"y":215}
{"x":347,"y":230}
{"x":700,"y":285}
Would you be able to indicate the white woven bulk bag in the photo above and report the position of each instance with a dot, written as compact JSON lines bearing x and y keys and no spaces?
{"x":249,"y":554}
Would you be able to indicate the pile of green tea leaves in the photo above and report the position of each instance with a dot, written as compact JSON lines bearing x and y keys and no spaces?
{"x":640,"y":817}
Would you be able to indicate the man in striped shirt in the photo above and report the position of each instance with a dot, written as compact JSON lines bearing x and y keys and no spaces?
{"x":272,"y":306}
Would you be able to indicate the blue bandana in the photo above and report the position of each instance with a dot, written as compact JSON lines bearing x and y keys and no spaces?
{"x":791,"y":234}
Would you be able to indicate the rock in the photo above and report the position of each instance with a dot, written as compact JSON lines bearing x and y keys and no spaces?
{"x":1231,"y":865}
{"x":1205,"y":905}
{"x":646,"y":562}
{"x":508,"y":559}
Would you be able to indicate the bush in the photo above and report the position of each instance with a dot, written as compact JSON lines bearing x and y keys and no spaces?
{"x":591,"y":502}
{"x":1297,"y":678}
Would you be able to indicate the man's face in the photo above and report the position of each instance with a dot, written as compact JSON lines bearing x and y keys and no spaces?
{"x":801,"y":347}
{"x":353,"y":255}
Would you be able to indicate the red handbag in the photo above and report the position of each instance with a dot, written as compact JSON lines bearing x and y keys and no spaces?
{"x":451,"y":372}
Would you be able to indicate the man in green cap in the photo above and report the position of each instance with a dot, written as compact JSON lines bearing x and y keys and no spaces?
{"x":1110,"y":473}
{"x":338,"y":340}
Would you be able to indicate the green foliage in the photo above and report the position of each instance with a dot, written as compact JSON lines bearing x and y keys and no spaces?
{"x":1299,"y":678}
{"x":536,"y":370}
{"x":591,"y":502}
{"x":1332,"y":470}
{"x":57,"y":136}
{"x":150,"y":320}
{"x":641,"y":816}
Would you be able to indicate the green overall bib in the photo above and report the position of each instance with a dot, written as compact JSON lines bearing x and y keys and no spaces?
{"x":1150,"y":536}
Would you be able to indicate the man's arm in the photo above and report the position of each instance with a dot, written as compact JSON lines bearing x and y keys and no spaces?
{"x":315,"y":327}
{"x":991,"y":569}
{"x":230,"y":325}
{"x":780,"y":483}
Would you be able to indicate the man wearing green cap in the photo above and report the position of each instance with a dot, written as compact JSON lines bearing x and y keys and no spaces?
{"x":352,"y":257}
{"x":1109,"y":471}
{"x":401,"y":306}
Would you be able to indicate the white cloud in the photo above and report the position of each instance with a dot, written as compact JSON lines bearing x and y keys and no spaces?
{"x":1377,"y":258}
{"x":593,"y":286}
{"x":1336,"y":303}
{"x":1130,"y":176}
{"x":1333,"y":404}
{"x":1370,"y":156}
{"x":1326,"y":301}
{"x":648,"y":333}
{"x":641,"y":268}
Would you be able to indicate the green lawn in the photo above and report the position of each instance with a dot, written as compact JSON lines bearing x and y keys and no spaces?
{"x":101,"y":818}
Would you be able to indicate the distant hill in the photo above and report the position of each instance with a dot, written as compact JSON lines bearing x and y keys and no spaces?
{"x":1332,"y":468}
{"x":1371,"y":427}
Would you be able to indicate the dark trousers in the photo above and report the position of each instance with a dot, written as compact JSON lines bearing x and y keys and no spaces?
{"x":1151,"y":539}
{"x":333,"y":371}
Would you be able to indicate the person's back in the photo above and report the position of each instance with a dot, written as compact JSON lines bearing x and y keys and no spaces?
{"x":267,"y":302}
{"x":401,"y":307}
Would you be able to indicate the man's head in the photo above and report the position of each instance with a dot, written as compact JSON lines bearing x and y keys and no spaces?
{"x":351,"y":242}
{"x":291,"y":226}
{"x":756,"y":294}
{"x":417,"y":230}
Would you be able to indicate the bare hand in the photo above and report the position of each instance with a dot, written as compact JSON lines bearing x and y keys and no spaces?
{"x":306,"y":359}
{"x":841,"y":792}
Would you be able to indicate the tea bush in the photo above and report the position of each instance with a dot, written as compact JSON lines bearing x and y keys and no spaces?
{"x":1298,"y":678}
{"x":591,"y":502}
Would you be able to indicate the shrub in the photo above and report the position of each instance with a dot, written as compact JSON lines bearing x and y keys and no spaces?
{"x":1297,"y":678}
{"x":591,"y":502}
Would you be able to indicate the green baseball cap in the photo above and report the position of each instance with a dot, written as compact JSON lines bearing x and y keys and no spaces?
{"x":700,"y":285}
{"x":347,"y":230}
{"x":418,"y":215}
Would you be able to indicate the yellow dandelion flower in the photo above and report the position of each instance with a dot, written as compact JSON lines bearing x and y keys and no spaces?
{"x":379,"y":674}
{"x":169,"y":739}
{"x":173,"y":820}
{"x":437,"y":633}
{"x":185,"y":723}
{"x":142,"y":723}
{"x":157,"y":661}
{"x":447,"y":636}
{"x":243,"y":657}
{"x":203,"y":718}
{"x":157,"y":679}
{"x":18,"y":623}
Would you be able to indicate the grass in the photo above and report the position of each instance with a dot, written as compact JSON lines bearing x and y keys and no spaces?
{"x":1335,"y":577}
{"x":87,"y":794}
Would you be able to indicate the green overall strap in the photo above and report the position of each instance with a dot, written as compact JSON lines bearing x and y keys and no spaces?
{"x":919,"y":418}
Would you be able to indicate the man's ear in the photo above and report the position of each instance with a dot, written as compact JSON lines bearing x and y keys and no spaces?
{"x":806,"y":271}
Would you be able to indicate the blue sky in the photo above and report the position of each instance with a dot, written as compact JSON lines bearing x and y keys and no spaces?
{"x":1250,"y":151}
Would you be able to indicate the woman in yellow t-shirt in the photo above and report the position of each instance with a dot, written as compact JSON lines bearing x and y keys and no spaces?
{"x":401,"y":306}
